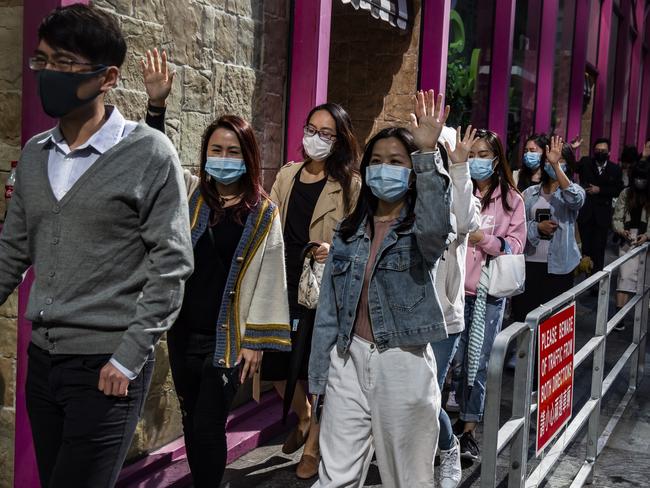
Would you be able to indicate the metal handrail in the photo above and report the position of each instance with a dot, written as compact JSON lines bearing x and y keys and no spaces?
{"x":514,"y":433}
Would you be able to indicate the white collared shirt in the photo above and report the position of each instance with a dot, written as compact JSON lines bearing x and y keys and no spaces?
{"x":65,"y":166}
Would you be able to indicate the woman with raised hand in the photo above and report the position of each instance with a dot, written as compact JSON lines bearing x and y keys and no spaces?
{"x":313,"y":196}
{"x":552,"y":208}
{"x":502,"y":231}
{"x":530,"y":172}
{"x":235,"y":302}
{"x":450,"y":281}
{"x":378,"y":312}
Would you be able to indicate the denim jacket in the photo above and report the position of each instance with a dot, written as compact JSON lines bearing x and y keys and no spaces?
{"x":404,"y":308}
{"x":563,"y":252}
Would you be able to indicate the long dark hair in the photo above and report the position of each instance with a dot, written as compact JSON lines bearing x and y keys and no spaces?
{"x":569,"y":157}
{"x":250,"y":181}
{"x":339,"y":165}
{"x":639,"y":199}
{"x":367,"y":204}
{"x":502,"y":176}
{"x":525,"y":173}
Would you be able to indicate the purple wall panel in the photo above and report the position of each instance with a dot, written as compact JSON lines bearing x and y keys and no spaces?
{"x":622,"y":65}
{"x":434,"y":45}
{"x":501,"y":67}
{"x":635,"y":79}
{"x":34,"y":121}
{"x":598,"y":116}
{"x":578,"y":63}
{"x":310,"y":48}
{"x":546,"y":67}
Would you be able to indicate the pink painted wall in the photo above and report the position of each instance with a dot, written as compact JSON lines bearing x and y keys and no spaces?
{"x":310,"y":50}
{"x":620,"y":87}
{"x":636,"y":68}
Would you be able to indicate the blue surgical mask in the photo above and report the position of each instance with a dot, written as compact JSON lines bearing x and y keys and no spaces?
{"x":480,"y":168}
{"x":551,"y":172}
{"x":388,"y":182}
{"x":225,"y":170}
{"x":532,"y":159}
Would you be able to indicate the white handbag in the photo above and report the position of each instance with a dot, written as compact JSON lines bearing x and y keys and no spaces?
{"x":310,"y":279}
{"x":507,"y":273}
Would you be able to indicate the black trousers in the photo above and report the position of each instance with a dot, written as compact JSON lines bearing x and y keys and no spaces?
{"x":540,"y":288}
{"x":594,"y":241}
{"x":205,"y":393}
{"x":81,"y":436}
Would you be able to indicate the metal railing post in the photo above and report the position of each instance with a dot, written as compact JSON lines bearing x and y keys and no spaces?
{"x":597,"y":372}
{"x":640,"y":318}
{"x":521,"y":407}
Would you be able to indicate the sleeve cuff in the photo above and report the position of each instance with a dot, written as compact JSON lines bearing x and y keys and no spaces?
{"x":126,"y":372}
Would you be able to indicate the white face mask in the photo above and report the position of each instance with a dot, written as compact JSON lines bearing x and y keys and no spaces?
{"x":316,"y":148}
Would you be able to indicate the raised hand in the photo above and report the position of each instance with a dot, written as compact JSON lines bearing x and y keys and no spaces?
{"x":157,"y":77}
{"x":463,"y":146}
{"x":554,"y":153}
{"x":576,"y":143}
{"x":428,"y":120}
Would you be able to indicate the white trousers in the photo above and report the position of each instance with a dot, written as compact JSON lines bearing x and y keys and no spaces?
{"x":385,"y":402}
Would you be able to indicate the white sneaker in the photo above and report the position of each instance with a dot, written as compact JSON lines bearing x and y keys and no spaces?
{"x":452,"y":404}
{"x":449,"y":473}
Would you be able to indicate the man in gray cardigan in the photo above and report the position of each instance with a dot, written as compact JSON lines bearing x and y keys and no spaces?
{"x":100,"y":212}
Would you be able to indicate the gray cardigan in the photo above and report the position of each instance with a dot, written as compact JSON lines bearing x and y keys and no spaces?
{"x":110,"y":258}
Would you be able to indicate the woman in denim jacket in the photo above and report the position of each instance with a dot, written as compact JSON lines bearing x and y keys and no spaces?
{"x":379,"y":308}
{"x":551,"y":249}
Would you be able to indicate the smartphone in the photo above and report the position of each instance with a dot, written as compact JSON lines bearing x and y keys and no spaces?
{"x":542,"y":214}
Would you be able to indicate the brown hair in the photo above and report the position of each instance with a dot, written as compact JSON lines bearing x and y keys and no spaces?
{"x":250,"y":181}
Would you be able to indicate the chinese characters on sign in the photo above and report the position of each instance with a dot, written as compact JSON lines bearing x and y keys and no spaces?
{"x":556,"y":347}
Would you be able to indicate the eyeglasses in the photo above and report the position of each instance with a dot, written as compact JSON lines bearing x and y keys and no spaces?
{"x":38,"y":63}
{"x":325,"y":136}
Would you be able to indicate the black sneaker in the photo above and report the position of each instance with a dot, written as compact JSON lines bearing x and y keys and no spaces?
{"x":468,"y":447}
{"x":620,"y":326}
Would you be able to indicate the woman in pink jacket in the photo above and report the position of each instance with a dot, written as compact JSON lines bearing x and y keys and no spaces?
{"x":502,"y":230}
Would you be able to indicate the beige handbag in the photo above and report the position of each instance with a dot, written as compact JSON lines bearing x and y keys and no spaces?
{"x":310,"y":278}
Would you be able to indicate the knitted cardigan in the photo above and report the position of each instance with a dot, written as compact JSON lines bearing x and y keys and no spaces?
{"x":254,"y":310}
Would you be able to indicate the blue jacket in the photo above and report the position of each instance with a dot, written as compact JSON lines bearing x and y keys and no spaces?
{"x":404,"y":307}
{"x":563,"y":252}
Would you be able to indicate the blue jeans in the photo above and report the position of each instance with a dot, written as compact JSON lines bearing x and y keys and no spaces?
{"x":444,"y":352}
{"x":471,"y":398}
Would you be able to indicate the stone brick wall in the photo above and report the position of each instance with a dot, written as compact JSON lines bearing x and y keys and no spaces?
{"x":11,"y":27}
{"x":373,"y":68}
{"x":230,"y":56}
{"x":11,"y":17}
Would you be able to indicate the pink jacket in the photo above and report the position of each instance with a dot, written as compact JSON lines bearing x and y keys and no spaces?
{"x":496,"y":222}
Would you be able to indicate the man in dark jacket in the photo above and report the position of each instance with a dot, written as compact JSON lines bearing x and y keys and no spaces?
{"x":602,"y":180}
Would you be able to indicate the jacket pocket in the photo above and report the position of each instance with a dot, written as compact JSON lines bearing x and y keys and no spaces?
{"x":403,"y":276}
{"x":340,"y":267}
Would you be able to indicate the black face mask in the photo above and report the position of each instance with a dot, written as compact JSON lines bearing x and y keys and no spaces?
{"x":58,"y":91}
{"x":601,"y":157}
{"x":640,"y":183}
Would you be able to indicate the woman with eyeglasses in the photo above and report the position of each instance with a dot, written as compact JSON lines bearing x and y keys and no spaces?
{"x":502,"y":231}
{"x":313,"y":196}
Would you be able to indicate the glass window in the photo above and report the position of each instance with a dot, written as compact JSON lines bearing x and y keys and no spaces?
{"x":468,"y":62}
{"x":611,"y":60}
{"x":562,"y":75}
{"x":523,"y":79}
{"x":626,"y":90}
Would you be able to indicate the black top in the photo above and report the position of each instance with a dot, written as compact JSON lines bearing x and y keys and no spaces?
{"x":597,"y":208}
{"x":300,"y":210}
{"x":213,"y":255}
